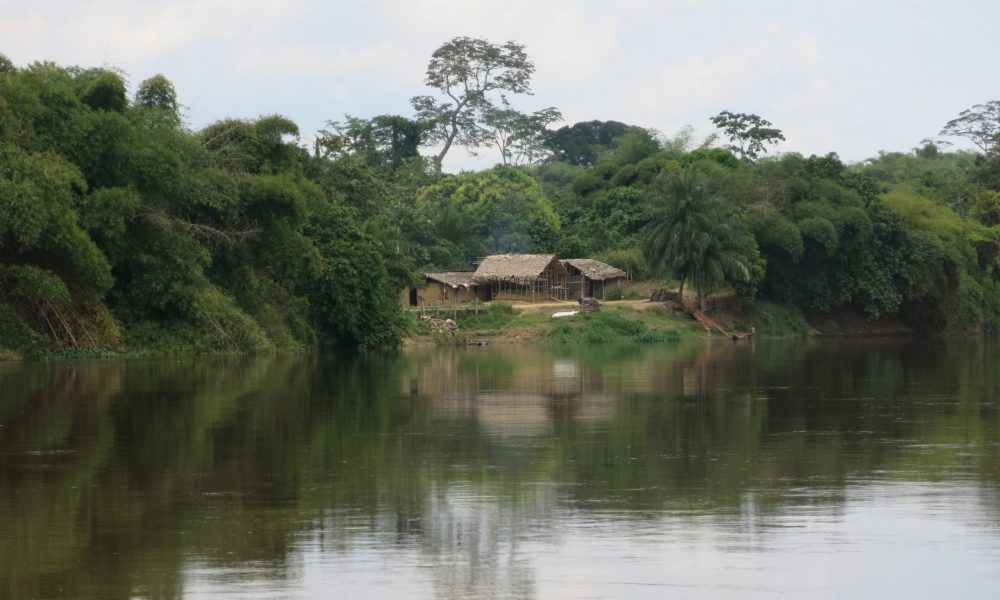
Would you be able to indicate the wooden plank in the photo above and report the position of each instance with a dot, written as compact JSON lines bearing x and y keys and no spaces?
{"x":707,"y":322}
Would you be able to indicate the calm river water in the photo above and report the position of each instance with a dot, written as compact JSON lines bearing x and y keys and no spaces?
{"x":819,"y":469}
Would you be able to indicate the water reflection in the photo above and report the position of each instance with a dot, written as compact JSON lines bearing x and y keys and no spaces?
{"x":513,"y":472}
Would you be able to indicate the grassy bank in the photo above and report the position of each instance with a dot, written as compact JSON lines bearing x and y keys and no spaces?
{"x":625,"y":323}
{"x":614,"y":326}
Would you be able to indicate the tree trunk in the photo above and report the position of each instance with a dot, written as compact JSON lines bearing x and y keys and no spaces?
{"x":680,"y":292}
{"x":439,"y":159}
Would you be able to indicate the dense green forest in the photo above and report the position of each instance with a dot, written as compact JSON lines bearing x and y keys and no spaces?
{"x":121,"y":228}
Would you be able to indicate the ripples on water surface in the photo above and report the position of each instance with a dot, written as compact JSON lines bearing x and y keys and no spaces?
{"x":851,"y":469}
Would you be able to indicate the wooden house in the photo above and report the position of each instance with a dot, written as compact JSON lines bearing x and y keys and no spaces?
{"x":590,"y":278}
{"x":524,"y":277}
{"x":445,"y":289}
{"x":515,"y":278}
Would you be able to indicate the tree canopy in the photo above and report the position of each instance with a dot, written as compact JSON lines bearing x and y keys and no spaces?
{"x":980,"y":124}
{"x":121,"y":229}
{"x":749,"y":135}
{"x":469,"y":75}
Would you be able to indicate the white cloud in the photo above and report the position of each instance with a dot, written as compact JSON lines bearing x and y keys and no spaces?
{"x":710,"y":83}
{"x":132,"y":33}
{"x":26,"y":34}
{"x":831,"y":79}
{"x":319,"y":59}
{"x":566,"y":40}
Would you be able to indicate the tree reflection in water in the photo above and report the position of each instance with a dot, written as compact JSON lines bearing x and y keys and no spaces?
{"x":453,"y":472}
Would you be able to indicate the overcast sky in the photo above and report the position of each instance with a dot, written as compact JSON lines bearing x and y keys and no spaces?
{"x":854,"y":77}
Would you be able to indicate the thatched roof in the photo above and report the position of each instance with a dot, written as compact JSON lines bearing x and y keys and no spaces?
{"x":595,"y":269}
{"x":455,"y":279}
{"x":512,"y":267}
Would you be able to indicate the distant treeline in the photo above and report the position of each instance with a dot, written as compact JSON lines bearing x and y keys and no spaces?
{"x":122,"y":229}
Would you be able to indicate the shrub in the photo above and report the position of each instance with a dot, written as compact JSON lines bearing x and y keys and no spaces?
{"x":629,"y":260}
{"x":777,"y":320}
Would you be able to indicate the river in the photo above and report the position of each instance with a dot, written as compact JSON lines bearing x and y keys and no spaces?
{"x":805,"y":468}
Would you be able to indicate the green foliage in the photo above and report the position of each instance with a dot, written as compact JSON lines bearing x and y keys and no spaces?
{"x":519,"y":137}
{"x":694,"y":234}
{"x":614,"y":292}
{"x":633,"y":146}
{"x":494,"y":316}
{"x":820,"y":234}
{"x":721,"y":156}
{"x":985,"y":207}
{"x":383,"y":143}
{"x":469,"y":72}
{"x":749,"y":135}
{"x":572,"y":246}
{"x":747,"y":289}
{"x":17,"y":335}
{"x":252,"y":147}
{"x":113,"y":217}
{"x":158,"y":94}
{"x":121,"y":229}
{"x":631,"y":260}
{"x":608,"y":328}
{"x":924,"y":214}
{"x":498,"y":210}
{"x":105,"y":92}
{"x":352,"y":298}
{"x":991,"y":306}
{"x":583,"y":143}
{"x":979,"y":124}
{"x":776,"y":236}
{"x":770,"y":319}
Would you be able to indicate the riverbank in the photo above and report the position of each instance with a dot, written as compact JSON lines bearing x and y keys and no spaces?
{"x":621,"y":321}
{"x":628,"y":321}
{"x":642,"y":321}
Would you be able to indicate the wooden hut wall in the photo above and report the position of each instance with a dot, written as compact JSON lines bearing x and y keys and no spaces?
{"x":518,"y":289}
{"x":599,"y":289}
{"x":578,"y":283}
{"x":596,"y":288}
{"x":404,"y":296}
{"x":481,"y":293}
{"x":557,"y":281}
{"x":433,"y":293}
{"x":554,"y":282}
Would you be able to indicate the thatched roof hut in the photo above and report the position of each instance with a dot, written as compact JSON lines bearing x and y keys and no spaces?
{"x":595,"y":269}
{"x":455,"y":279}
{"x":444,"y":288}
{"x":513,"y":268}
{"x":523,"y":277}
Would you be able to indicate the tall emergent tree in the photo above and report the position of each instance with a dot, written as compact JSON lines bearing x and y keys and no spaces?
{"x":692,"y":232}
{"x":520,"y":138}
{"x":467,"y":72}
{"x":980,"y":124}
{"x":748,"y":134}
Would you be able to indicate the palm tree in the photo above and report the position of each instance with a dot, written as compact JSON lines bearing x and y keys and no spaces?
{"x":691,"y":231}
